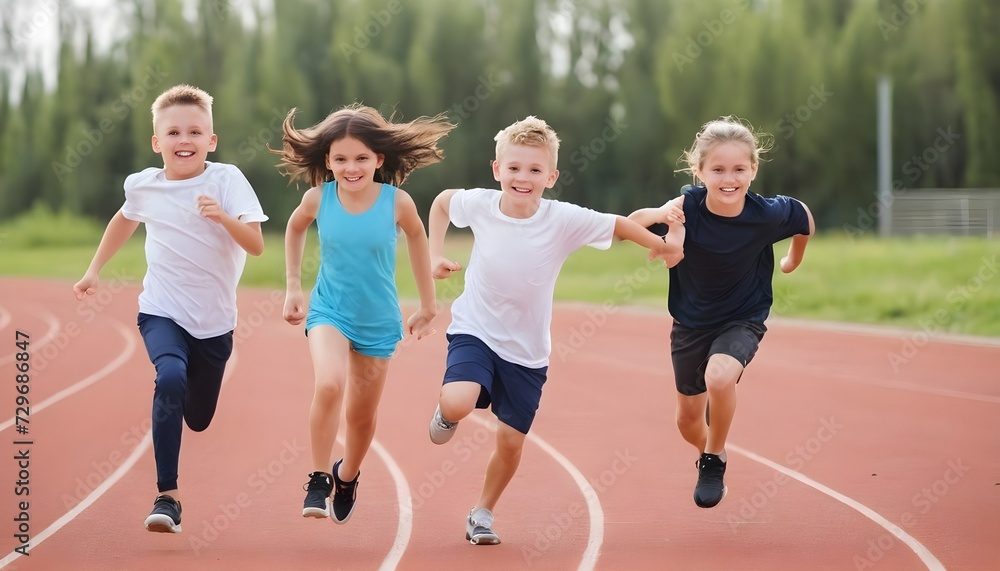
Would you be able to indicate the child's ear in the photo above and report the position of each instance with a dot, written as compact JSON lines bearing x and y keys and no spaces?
{"x":156,"y":144}
{"x":380,"y":160}
{"x":496,"y":170}
{"x":213,"y":142}
{"x":551,"y":181}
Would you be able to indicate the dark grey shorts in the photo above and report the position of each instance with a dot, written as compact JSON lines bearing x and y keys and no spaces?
{"x":690,"y":350}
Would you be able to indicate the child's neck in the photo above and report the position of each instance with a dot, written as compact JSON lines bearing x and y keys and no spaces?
{"x":518,"y":209}
{"x":725,"y":210}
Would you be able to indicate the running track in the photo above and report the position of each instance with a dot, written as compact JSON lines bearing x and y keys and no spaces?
{"x":852,"y":449}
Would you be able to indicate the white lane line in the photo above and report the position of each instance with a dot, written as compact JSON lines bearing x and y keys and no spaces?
{"x":4,"y":318}
{"x":121,"y":359}
{"x":918,"y":548}
{"x":596,"y":538}
{"x":53,"y":327}
{"x":405,"y":527}
{"x":118,"y":474}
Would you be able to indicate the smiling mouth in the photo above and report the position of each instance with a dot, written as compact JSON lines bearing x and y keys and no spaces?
{"x":729,"y":189}
{"x":352,"y":179}
{"x":520,"y":190}
{"x":184,"y":154}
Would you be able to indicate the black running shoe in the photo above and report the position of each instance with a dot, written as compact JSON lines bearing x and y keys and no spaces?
{"x":710,"y":489}
{"x":166,"y":515}
{"x":317,"y":503}
{"x":344,"y":495}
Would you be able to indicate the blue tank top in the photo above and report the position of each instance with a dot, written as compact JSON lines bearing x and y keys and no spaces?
{"x":356,"y":284}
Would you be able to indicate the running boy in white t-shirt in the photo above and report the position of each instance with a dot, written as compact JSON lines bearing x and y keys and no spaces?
{"x":499,"y":339}
{"x":201,"y":220}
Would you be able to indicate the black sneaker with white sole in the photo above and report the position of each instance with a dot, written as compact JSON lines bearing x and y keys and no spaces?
{"x":710,"y":488}
{"x":166,"y":515}
{"x":344,"y":495}
{"x":317,"y":502}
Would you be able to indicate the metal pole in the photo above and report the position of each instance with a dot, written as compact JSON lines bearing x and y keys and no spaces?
{"x":884,"y":97}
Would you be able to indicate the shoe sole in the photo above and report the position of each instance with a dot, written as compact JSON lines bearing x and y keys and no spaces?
{"x":706,"y":505}
{"x":483,"y":539}
{"x":318,"y":513}
{"x":333,"y":516}
{"x":162,"y":524}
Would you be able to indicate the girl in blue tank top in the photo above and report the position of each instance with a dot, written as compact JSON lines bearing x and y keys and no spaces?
{"x":354,"y":160}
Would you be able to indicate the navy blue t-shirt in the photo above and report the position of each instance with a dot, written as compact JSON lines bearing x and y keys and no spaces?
{"x":728,"y":263}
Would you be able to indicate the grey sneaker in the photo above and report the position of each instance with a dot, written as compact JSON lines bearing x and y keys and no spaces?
{"x":166,"y":515}
{"x":479,"y":528}
{"x":441,"y":429}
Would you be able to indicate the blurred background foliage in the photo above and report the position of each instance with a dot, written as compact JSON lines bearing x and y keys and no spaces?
{"x":626,"y":84}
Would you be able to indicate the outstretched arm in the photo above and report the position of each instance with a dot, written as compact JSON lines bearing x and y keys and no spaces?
{"x":671,"y":212}
{"x":119,"y":230}
{"x":419,"y":323}
{"x":797,"y":248}
{"x":295,"y":242}
{"x":441,"y":267}
{"x":246,"y":234}
{"x":669,"y":252}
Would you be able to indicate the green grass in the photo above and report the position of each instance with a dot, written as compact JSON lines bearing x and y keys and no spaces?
{"x":934,"y":283}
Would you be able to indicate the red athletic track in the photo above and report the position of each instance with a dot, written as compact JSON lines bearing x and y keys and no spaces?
{"x":913,"y":439}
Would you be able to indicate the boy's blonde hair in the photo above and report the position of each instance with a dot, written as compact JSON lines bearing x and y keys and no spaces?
{"x":727,"y":129}
{"x":532,"y":132}
{"x":182,"y":95}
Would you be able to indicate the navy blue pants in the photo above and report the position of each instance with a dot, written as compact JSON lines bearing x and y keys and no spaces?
{"x":188,"y":379}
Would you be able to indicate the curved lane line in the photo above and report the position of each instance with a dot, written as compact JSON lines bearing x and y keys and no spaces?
{"x":118,"y":474}
{"x":120,"y":360}
{"x":918,"y":548}
{"x":405,"y":527}
{"x":53,"y":322}
{"x":596,"y":538}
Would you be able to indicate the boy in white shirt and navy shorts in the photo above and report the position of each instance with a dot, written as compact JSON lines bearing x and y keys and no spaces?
{"x":201,"y":220}
{"x":499,"y":339}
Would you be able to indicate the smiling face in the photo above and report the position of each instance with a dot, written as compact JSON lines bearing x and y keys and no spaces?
{"x":524,"y":172}
{"x":353,"y":164}
{"x":727,"y":169}
{"x":183,"y":135}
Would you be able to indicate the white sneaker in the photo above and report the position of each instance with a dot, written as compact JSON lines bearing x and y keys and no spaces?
{"x":479,"y":528}
{"x":441,"y":430}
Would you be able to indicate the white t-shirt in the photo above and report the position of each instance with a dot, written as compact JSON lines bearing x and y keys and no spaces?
{"x":511,"y":276}
{"x":193,"y":264}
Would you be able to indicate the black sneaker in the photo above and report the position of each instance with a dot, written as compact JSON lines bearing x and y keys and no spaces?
{"x":710,"y":489}
{"x":344,"y":495}
{"x":318,"y":489}
{"x":166,"y":515}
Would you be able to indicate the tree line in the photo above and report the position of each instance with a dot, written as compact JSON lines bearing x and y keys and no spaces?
{"x":625,"y":83}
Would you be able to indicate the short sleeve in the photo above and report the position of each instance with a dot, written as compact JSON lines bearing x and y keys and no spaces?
{"x":135,"y":207}
{"x":586,"y":227}
{"x":457,"y":211}
{"x":791,"y":217}
{"x":240,"y":200}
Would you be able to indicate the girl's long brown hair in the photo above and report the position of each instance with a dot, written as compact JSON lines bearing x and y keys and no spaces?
{"x":406,"y":146}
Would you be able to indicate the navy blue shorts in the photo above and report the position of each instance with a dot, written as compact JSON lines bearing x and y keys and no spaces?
{"x":513,"y":390}
{"x":690,"y":350}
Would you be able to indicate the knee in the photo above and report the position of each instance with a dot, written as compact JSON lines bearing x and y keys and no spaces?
{"x":197,"y":425}
{"x":510,"y":443}
{"x":456,"y":405}
{"x":721,"y":381}
{"x":328,"y":391}
{"x":171,"y":379}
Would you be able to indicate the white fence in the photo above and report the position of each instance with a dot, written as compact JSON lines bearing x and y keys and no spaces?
{"x":957,"y":212}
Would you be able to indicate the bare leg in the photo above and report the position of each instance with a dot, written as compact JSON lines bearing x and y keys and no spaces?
{"x":502,"y":466}
{"x":330,"y":351}
{"x":364,"y":391}
{"x":458,"y":399}
{"x":691,"y":419}
{"x":721,"y":376}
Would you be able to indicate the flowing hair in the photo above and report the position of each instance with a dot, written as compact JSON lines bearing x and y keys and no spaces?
{"x":405,"y":146}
